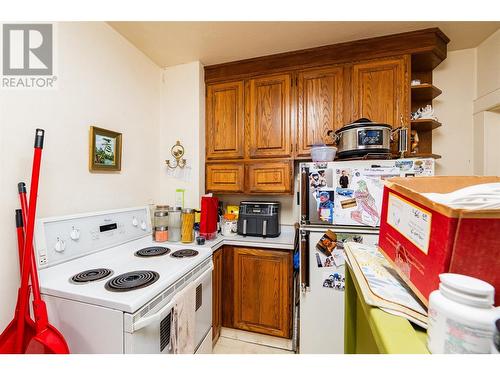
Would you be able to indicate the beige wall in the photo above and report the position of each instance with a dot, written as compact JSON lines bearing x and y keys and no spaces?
{"x":455,"y":76}
{"x":183,"y":119}
{"x":102,"y":80}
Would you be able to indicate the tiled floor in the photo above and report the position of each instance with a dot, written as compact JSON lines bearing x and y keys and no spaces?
{"x":234,"y":341}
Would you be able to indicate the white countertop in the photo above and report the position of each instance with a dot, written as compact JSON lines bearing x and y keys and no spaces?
{"x":284,"y":241}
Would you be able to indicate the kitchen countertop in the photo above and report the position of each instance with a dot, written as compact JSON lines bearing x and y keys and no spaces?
{"x":284,"y":241}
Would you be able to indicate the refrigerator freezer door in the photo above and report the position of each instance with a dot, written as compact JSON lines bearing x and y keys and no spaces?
{"x":358,"y":194}
{"x":349,"y":192}
{"x":321,"y":304}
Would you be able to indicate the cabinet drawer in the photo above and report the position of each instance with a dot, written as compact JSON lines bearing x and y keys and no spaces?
{"x":225,"y":178}
{"x":270,"y":177}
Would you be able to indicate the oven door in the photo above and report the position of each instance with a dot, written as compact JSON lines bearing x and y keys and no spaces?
{"x":203,"y":308}
{"x":152,"y":332}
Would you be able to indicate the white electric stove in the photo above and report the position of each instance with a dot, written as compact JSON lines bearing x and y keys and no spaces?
{"x":109,"y":288}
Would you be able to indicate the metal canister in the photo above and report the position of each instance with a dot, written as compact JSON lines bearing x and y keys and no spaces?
{"x":161,"y":216}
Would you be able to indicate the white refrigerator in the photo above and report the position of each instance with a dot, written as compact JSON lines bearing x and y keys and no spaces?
{"x":344,"y":197}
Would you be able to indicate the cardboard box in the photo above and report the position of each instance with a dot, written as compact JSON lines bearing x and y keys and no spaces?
{"x":423,"y":239}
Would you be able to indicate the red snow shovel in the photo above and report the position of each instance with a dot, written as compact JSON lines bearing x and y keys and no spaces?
{"x":30,"y":324}
{"x":8,"y":337}
{"x":17,"y":338}
{"x":47,"y":338}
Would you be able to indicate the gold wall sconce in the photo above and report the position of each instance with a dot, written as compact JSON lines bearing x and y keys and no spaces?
{"x":177,"y":152}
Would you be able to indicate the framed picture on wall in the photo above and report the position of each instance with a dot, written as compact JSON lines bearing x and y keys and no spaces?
{"x":105,"y":150}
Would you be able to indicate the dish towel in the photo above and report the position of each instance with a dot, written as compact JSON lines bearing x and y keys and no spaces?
{"x":184,"y":322}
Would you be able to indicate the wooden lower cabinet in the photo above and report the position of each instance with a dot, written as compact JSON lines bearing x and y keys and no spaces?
{"x":216,"y":296}
{"x":259,"y":293}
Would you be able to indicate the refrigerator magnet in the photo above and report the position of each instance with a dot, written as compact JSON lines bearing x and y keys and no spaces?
{"x":327,"y":243}
{"x":326,"y":205}
{"x":334,"y":280}
{"x":324,"y":261}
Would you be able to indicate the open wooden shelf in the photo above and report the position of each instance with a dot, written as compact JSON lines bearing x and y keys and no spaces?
{"x":424,"y":155}
{"x":424,"y":92}
{"x":424,"y":124}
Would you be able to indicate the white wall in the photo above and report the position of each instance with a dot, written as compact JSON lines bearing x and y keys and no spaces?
{"x":183,"y":119}
{"x":491,"y":137}
{"x":486,"y":107}
{"x":455,"y":76}
{"x":488,"y":65}
{"x":102,"y":80}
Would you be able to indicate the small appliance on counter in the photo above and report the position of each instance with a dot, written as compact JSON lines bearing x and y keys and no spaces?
{"x":259,"y":219}
{"x":209,"y":217}
{"x":364,"y":137}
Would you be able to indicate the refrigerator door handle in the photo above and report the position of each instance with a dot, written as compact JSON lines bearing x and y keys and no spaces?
{"x":304,"y":261}
{"x":304,"y":196}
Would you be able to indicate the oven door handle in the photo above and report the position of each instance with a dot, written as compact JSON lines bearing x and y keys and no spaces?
{"x":158,"y":316}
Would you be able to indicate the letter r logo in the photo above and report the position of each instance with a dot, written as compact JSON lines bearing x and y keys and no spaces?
{"x":27,"y":49}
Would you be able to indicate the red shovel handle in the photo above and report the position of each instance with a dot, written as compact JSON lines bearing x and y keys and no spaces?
{"x":20,"y":237}
{"x":28,"y":243}
{"x":33,"y":270}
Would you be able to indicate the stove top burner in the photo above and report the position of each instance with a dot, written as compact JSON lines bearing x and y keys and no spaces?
{"x":152,"y":251}
{"x":91,"y":275}
{"x":185,"y":253}
{"x":131,"y":281}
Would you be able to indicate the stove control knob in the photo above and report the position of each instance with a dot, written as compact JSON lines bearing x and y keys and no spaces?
{"x":135,"y":222}
{"x":143,"y":225}
{"x":60,"y":245}
{"x":74,"y":234}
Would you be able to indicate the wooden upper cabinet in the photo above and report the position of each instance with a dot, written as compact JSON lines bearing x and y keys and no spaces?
{"x":225,"y":114}
{"x":268,"y":105}
{"x":225,"y":178}
{"x":380,"y":90}
{"x":320,"y":107}
{"x":269,"y":177}
{"x":262,"y":291}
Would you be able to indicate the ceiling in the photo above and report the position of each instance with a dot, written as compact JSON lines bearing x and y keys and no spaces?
{"x":171,"y":43}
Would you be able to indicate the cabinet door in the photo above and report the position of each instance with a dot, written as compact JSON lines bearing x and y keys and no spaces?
{"x":380,"y":90}
{"x":225,"y":177}
{"x":269,"y":177}
{"x":262,"y":291}
{"x":216,"y":295}
{"x":268,"y":116}
{"x":225,"y":126}
{"x":319,"y":107}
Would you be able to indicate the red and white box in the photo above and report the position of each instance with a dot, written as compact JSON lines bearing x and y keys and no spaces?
{"x":423,"y":239}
